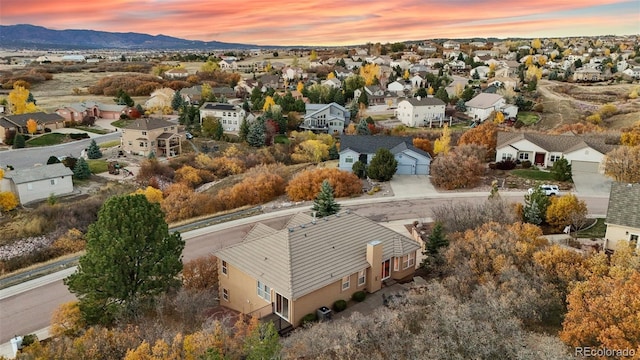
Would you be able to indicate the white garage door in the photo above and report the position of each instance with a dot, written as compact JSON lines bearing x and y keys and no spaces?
{"x":585,"y":166}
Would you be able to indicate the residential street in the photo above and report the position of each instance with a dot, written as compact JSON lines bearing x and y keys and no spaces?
{"x":28,"y":307}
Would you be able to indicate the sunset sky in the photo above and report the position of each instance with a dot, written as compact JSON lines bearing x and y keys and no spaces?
{"x":331,"y":22}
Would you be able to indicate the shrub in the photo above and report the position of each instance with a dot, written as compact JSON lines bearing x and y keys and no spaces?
{"x":506,"y":164}
{"x":526,"y":164}
{"x":339,"y":305}
{"x":308,"y":319}
{"x":78,"y":136}
{"x":359,"y":296}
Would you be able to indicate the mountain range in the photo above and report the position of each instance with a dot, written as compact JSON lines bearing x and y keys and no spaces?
{"x":26,"y":36}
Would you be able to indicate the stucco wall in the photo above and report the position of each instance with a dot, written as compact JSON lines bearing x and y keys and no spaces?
{"x":40,"y":190}
{"x":615,"y":233}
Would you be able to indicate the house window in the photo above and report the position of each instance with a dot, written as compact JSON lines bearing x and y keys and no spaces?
{"x":408,"y":260}
{"x":396,"y":264}
{"x":224,"y":113}
{"x":224,"y":268}
{"x":264,"y":291}
{"x":362,"y":277}
{"x":144,"y":133}
{"x":523,"y":156}
{"x":554,"y":158}
{"x":506,"y":156}
{"x":633,"y":240}
{"x":130,"y":143}
{"x":143,"y":144}
{"x":225,"y":294}
{"x":282,"y":306}
{"x":348,"y":160}
{"x":153,"y":143}
{"x":165,"y":129}
{"x":53,"y":181}
{"x":346,"y":282}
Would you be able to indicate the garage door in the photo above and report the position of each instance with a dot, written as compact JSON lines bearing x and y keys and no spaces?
{"x":585,"y":166}
{"x":405,"y":170}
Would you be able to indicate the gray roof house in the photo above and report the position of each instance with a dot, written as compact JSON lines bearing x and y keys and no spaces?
{"x":311,"y":263}
{"x":411,"y":160}
{"x":623,"y":216}
{"x":584,"y":153}
{"x":38,"y":183}
{"x":325,"y":118}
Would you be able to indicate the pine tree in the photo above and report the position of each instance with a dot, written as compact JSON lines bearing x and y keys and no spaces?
{"x":130,"y":256}
{"x":535,"y":206}
{"x":363,"y":128}
{"x":256,"y":136}
{"x":325,"y":204}
{"x":333,"y":152}
{"x":81,"y":171}
{"x":383,"y":165}
{"x":18,"y":141}
{"x":177,"y":100}
{"x":244,"y":129}
{"x":561,"y":170}
{"x":436,"y":240}
{"x":94,"y":151}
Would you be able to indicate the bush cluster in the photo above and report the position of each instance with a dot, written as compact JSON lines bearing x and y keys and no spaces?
{"x":506,"y":164}
{"x":359,"y":296}
{"x":339,"y":305}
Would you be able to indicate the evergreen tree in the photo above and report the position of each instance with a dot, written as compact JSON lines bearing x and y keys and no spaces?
{"x":130,"y":256}
{"x":363,"y":99}
{"x":461,"y":106}
{"x":325,"y":204}
{"x":363,"y":128}
{"x":94,"y":151}
{"x":435,"y":241}
{"x":360,"y":169}
{"x":122,"y":98}
{"x":383,"y":165}
{"x":31,"y":99}
{"x":245,"y":106}
{"x":177,"y":100}
{"x":263,"y":342}
{"x":140,"y":109}
{"x":333,"y":152}
{"x":256,"y":136}
{"x":422,"y":92}
{"x":244,"y":129}
{"x":561,"y":170}
{"x":18,"y":141}
{"x":535,"y":206}
{"x":53,"y":160}
{"x":442,"y":95}
{"x":468,"y":93}
{"x":81,"y":170}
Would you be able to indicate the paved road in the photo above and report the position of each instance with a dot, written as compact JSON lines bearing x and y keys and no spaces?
{"x":22,"y":312}
{"x":28,"y":157}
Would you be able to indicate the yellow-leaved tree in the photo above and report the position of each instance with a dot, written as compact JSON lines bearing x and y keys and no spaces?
{"x":406,"y":74}
{"x":370,"y":73}
{"x":536,"y":44}
{"x":313,"y":56}
{"x":8,"y":200}
{"x":268,"y":103}
{"x":300,"y":86}
{"x":210,"y":66}
{"x":499,"y":118}
{"x":430,"y":90}
{"x":442,"y":145}
{"x":313,"y":151}
{"x":152,"y":194}
{"x":67,"y":320}
{"x":623,"y":164}
{"x":331,"y":75}
{"x":566,"y":210}
{"x":32,"y":126}
{"x":18,"y":101}
{"x":631,"y":136}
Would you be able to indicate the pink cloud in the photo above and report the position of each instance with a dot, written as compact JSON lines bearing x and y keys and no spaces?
{"x":329,"y":22}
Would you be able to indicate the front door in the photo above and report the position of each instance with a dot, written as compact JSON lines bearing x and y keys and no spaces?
{"x":539,"y":159}
{"x":282,"y":306}
{"x":386,"y":269}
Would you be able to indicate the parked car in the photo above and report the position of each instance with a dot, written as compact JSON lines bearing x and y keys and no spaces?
{"x":547,"y":189}
{"x":189,"y":136}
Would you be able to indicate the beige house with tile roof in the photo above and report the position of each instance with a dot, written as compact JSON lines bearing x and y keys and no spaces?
{"x":623,"y":216}
{"x":311,"y":263}
{"x":149,"y":135}
{"x":584,"y":153}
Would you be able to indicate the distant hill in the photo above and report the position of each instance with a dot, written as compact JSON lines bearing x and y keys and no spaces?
{"x":37,"y":37}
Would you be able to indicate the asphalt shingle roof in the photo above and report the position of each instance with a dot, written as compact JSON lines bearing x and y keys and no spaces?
{"x":310,"y":254}
{"x":149,"y":124}
{"x":624,"y":205}
{"x":369,"y":144}
{"x":52,"y":171}
{"x":564,"y":143}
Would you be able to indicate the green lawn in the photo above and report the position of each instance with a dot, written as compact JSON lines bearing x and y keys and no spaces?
{"x":281,"y":139}
{"x":46,"y":140}
{"x":533,"y":174}
{"x":92,"y":130}
{"x":121,"y":123}
{"x":596,"y":231}
{"x":98,"y":166}
{"x":528,"y":117}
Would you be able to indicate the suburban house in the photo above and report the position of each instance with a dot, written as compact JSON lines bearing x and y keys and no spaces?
{"x":230,"y":116}
{"x":482,"y":105}
{"x":176,"y":73}
{"x":150,"y":135}
{"x":584,"y":153}
{"x":12,"y":124}
{"x":38,"y":183}
{"x":78,"y":111}
{"x":588,"y":74}
{"x":309,"y":264}
{"x":623,"y":223}
{"x":228,"y":65}
{"x":325,"y":118}
{"x":192,"y":95}
{"x":419,"y":111}
{"x":411,"y":160}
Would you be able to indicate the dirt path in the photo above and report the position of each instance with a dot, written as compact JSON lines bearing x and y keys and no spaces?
{"x":558,"y":108}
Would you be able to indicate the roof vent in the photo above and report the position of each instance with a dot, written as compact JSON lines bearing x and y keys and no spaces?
{"x":337,"y":215}
{"x":313,"y":221}
{"x":291,"y":229}
{"x":348,"y":211}
{"x":302,"y":225}
{"x":326,"y":218}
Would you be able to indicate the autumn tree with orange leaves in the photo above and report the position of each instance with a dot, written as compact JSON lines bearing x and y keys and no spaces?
{"x":485,"y":134}
{"x":307,"y":184}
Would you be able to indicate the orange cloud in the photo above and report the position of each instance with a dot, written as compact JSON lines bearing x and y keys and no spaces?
{"x":330,"y":22}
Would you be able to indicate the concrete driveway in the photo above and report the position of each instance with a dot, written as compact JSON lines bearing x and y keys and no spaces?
{"x":590,"y":184}
{"x":404,"y":186}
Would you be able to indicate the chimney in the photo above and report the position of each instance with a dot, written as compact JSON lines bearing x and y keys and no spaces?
{"x":374,"y":273}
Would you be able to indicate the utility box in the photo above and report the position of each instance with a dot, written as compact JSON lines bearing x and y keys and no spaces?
{"x":324,"y":313}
